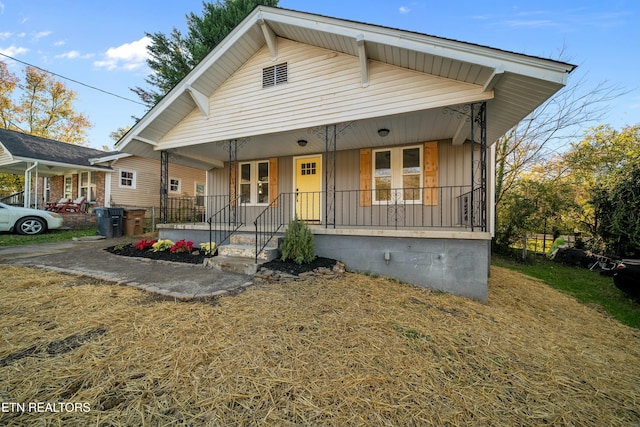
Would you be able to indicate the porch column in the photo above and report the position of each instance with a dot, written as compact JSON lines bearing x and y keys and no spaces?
{"x":331,"y":138}
{"x":164,"y":185}
{"x":478,"y":209}
{"x":233,"y":179}
{"x":27,"y":185}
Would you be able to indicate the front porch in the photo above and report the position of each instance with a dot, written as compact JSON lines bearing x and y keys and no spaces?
{"x":389,"y":232}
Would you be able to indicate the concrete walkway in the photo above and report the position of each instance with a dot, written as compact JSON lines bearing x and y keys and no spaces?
{"x":86,"y":257}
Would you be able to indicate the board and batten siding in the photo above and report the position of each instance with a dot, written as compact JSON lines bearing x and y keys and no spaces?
{"x":147,"y":191}
{"x":323,"y":87}
{"x":450,"y":167}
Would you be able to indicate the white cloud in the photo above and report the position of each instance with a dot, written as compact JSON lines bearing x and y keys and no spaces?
{"x":73,"y":54}
{"x":60,"y":43}
{"x":4,"y":36}
{"x":1,"y":8}
{"x":129,"y":56}
{"x":41,"y":34}
{"x":404,"y":10}
{"x":14,"y":50}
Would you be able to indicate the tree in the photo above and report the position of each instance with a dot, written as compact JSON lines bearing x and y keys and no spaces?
{"x":605,"y":166}
{"x":8,"y":82}
{"x":47,"y":109}
{"x":44,"y":108}
{"x":535,"y":141}
{"x":173,"y":56}
{"x":119,"y":133}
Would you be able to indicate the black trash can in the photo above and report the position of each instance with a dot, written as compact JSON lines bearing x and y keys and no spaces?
{"x":109,"y":221}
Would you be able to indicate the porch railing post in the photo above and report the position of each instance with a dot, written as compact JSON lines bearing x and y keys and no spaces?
{"x":331,"y":142}
{"x":164,"y":180}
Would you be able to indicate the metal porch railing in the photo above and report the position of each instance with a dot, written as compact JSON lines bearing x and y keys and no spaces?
{"x":226,"y":221}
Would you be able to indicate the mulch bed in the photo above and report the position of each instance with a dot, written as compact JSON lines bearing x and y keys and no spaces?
{"x":290,"y":267}
{"x":196,"y":257}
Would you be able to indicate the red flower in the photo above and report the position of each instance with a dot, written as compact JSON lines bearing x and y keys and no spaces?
{"x":144,"y":244}
{"x":182,"y":246}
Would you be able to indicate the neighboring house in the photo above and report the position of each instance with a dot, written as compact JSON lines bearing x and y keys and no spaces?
{"x":381,"y":139}
{"x":52,"y":169}
{"x":55,"y":170}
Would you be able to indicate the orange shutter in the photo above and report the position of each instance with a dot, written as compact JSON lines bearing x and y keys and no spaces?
{"x":273,"y":180}
{"x":365,"y":177}
{"x":431,"y":173}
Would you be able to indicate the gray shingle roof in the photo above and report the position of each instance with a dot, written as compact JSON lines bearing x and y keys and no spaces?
{"x":34,"y":147}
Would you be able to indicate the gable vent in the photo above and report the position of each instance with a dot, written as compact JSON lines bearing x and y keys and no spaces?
{"x":276,"y":75}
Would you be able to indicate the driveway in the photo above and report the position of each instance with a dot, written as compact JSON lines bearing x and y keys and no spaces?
{"x":87,"y":257}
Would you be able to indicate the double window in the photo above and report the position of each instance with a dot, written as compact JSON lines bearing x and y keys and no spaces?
{"x":88,"y":185}
{"x":254,"y":182}
{"x":127,"y":179}
{"x":68,"y":187}
{"x":397,"y":174}
{"x":175,"y":185}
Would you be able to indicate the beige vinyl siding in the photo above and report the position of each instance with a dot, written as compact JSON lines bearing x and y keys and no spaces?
{"x":5,"y":157}
{"x":147,"y":190}
{"x":323,"y":87}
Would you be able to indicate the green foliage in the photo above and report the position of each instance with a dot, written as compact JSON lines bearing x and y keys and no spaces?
{"x":173,"y":56}
{"x":617,"y":209}
{"x":51,"y":236}
{"x":298,"y":243}
{"x":534,"y":205}
{"x":587,"y":286}
{"x":10,"y":183}
{"x":606,"y":164}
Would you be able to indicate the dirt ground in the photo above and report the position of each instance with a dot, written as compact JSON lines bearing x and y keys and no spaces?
{"x":356,"y":350}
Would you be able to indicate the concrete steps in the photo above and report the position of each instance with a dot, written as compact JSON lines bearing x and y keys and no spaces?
{"x":239,"y":256}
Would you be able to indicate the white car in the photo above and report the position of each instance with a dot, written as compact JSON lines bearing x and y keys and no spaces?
{"x":28,"y":221}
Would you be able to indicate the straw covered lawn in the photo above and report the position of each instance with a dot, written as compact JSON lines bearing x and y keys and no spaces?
{"x":356,"y":350}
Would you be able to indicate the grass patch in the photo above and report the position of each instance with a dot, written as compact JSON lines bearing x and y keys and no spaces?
{"x":51,"y":236}
{"x":587,"y":286}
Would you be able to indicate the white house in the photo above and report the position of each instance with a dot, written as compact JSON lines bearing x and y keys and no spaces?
{"x":381,"y":139}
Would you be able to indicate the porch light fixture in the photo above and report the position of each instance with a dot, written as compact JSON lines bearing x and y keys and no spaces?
{"x":302,"y":142}
{"x":383,"y":132}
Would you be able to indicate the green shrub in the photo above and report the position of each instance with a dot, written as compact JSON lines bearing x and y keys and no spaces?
{"x":298,"y":243}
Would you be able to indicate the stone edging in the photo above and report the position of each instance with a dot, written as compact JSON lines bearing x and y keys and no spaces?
{"x":265,"y":275}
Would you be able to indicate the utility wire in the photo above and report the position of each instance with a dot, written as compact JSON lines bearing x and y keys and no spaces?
{"x":72,"y":80}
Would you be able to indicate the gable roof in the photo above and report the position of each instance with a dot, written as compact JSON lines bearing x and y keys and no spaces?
{"x":22,"y":148}
{"x":518,"y":83}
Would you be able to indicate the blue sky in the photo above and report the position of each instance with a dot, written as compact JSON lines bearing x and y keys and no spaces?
{"x":101,"y":43}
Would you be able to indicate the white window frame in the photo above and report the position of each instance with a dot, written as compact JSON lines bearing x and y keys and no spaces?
{"x":397,"y":174}
{"x":69,"y":194}
{"x":91,"y":184}
{"x":133,"y":178}
{"x":46,"y":183}
{"x":199,"y":194}
{"x":175,"y":185}
{"x":254,"y":182}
